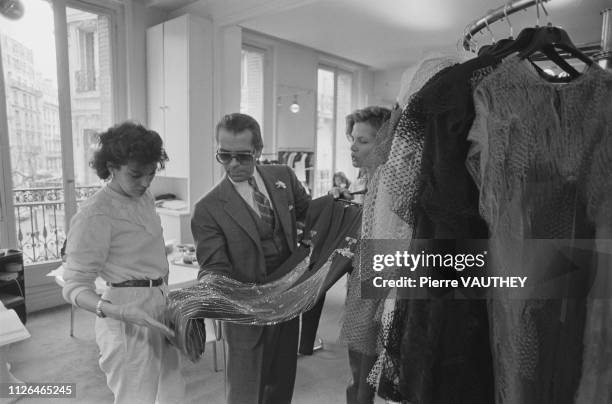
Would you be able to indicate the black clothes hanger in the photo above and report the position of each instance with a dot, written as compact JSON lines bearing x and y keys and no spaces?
{"x":546,"y":39}
{"x":549,"y":38}
{"x":516,"y":45}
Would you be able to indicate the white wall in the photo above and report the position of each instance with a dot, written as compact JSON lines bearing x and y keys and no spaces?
{"x":292,"y":70}
{"x":387,"y":86}
{"x":364,"y":91}
{"x":295,"y":73}
{"x":226,"y":77}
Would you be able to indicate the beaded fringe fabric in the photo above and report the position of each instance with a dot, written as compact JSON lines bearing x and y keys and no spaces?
{"x":223,"y":298}
{"x":305,"y":279}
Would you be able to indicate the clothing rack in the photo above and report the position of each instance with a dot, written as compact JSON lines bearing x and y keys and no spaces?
{"x":604,"y":58}
{"x":495,"y":15}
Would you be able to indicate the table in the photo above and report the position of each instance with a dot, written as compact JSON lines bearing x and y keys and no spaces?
{"x":5,"y":371}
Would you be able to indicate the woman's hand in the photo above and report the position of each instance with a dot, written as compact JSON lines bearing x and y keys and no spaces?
{"x":337,"y":193}
{"x":134,"y":313}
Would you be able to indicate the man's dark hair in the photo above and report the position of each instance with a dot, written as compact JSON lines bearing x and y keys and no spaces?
{"x":237,"y":122}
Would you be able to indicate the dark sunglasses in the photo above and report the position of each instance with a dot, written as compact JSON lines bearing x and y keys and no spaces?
{"x":242,"y":158}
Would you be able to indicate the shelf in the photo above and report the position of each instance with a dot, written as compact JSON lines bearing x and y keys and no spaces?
{"x":11,"y":301}
{"x":4,"y":284}
{"x":172,"y":212}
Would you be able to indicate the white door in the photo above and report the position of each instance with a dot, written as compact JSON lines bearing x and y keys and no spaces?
{"x":176,"y":90}
{"x":155,"y":80}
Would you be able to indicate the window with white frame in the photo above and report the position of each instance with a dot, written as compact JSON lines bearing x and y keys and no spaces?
{"x":334,"y":103}
{"x":252,"y":83}
{"x":80,"y":36}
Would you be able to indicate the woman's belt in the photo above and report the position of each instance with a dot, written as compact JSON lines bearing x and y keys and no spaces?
{"x":137,"y":283}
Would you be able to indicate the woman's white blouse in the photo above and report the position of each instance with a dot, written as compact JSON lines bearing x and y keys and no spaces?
{"x":115,"y":237}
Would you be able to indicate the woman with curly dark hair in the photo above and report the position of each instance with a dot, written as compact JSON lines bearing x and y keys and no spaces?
{"x":117,"y":235}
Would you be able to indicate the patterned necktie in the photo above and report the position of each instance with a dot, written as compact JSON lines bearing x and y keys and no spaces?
{"x":263,"y":204}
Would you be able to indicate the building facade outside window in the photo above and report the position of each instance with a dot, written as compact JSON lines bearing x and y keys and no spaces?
{"x":40,"y":194}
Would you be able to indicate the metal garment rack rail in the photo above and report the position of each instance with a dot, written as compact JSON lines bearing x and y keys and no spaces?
{"x":496,"y":15}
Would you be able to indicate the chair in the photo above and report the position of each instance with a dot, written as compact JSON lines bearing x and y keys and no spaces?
{"x":213,"y":338}
{"x":219,"y":334}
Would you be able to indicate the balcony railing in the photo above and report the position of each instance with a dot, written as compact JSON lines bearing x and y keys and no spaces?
{"x":39,"y":213}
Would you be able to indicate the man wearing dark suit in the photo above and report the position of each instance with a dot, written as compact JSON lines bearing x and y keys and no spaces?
{"x":245,"y":228}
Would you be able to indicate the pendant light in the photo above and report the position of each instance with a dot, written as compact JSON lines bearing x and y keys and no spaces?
{"x":11,"y":9}
{"x":294,"y":107}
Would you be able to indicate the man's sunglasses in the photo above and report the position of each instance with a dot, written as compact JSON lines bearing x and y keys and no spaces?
{"x":242,"y":158}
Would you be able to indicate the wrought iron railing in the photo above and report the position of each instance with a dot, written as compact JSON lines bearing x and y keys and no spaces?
{"x":39,"y":213}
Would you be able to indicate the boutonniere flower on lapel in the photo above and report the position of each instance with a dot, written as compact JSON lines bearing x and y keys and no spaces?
{"x":280,"y":185}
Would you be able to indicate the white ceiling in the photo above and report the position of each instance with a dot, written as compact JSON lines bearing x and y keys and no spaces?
{"x":385,"y":34}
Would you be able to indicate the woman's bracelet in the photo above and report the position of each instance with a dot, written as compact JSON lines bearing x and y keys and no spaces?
{"x":99,"y":312}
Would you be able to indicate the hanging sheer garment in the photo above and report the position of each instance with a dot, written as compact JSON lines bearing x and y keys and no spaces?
{"x":440,"y":347}
{"x":399,"y":154}
{"x":403,"y":160}
{"x":542,"y":157}
{"x":331,"y":229}
{"x":361,"y":325}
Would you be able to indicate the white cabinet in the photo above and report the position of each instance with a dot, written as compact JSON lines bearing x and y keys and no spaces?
{"x":179,"y":98}
{"x":176,"y":225}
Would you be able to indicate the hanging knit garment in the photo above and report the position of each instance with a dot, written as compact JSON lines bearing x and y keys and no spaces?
{"x":542,"y":158}
{"x":331,"y":227}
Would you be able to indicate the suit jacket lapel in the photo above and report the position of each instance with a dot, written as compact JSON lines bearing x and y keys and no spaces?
{"x":280,"y":203}
{"x":237,"y":210}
